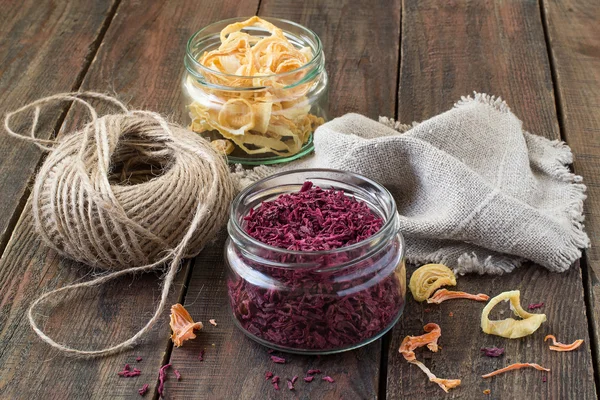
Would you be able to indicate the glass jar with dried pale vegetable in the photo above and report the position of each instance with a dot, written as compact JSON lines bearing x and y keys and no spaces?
{"x":256,"y":88}
{"x":315,"y":261}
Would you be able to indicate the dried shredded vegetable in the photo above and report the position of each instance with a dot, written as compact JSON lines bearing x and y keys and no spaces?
{"x":274,"y":119}
{"x":509,"y":327}
{"x":182,"y":325}
{"x":445,"y":384}
{"x":429,"y":339}
{"x":444,"y":294}
{"x":558,"y":346}
{"x":410,"y":343}
{"x":428,"y":278}
{"x":515,"y":366}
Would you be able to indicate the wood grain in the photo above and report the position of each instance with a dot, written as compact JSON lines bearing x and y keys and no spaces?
{"x":574,"y":36}
{"x":450,"y":49}
{"x":361,"y":62}
{"x":141,"y":59}
{"x":45,"y":48}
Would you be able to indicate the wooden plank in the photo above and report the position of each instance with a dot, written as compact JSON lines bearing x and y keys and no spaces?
{"x":141,"y":59}
{"x":574,"y":35}
{"x":450,"y":49}
{"x":45,"y":48}
{"x":362,"y":69}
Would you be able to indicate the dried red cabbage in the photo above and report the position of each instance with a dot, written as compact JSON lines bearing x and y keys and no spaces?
{"x":162,"y":375}
{"x":268,"y":375}
{"x":138,"y":359}
{"x":319,"y":310}
{"x":328,"y":379}
{"x":308,"y":378}
{"x":533,"y":306}
{"x":177,"y":374}
{"x":290,"y":385}
{"x":128,"y":373}
{"x":492,"y":351}
{"x":142,"y":391}
{"x":295,"y":378}
{"x":278,"y":360}
{"x":313,"y":371}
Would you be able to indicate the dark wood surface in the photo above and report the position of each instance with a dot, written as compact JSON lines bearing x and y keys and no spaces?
{"x":574,"y":38}
{"x":541,"y":56}
{"x":45,"y":48}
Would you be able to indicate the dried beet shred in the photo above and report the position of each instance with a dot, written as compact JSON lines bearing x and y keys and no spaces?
{"x":492,"y":351}
{"x":319,"y":310}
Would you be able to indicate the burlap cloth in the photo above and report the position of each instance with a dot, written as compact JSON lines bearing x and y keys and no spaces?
{"x":474,"y":190}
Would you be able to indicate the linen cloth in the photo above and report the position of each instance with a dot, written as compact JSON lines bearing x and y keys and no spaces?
{"x":474,"y":190}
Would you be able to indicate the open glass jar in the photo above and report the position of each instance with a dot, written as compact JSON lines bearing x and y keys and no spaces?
{"x":316,"y":302}
{"x":264,"y":119}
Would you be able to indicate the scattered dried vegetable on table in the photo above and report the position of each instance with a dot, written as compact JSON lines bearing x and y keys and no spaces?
{"x":557,"y":346}
{"x":275,"y":119}
{"x":162,"y":376}
{"x":509,"y":327}
{"x":278,"y":360}
{"x":182,"y":325}
{"x":492,"y":351}
{"x":142,"y":391}
{"x":328,"y":379}
{"x":444,"y":294}
{"x":126,"y":372}
{"x":428,"y":278}
{"x":533,"y":306}
{"x":514,"y":367}
{"x":212,"y":322}
{"x":429,"y":339}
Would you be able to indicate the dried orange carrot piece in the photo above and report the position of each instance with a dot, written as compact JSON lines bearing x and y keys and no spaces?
{"x":429,"y":339}
{"x":445,"y":294}
{"x":558,"y":346}
{"x":515,"y":366}
{"x":182,"y":325}
{"x":445,"y":384}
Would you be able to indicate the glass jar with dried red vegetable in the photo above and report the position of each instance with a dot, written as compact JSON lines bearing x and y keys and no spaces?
{"x":315,"y":261}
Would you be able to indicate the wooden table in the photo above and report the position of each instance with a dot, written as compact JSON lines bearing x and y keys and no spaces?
{"x":408,"y":59}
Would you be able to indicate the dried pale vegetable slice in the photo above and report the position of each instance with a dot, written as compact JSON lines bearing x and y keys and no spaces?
{"x":445,"y":294}
{"x":558,"y":346}
{"x":515,"y":366}
{"x":428,"y":278}
{"x":275,"y":119}
{"x":445,"y":384}
{"x":222,"y":146}
{"x":429,"y":339}
{"x":509,"y":327}
{"x":182,"y":325}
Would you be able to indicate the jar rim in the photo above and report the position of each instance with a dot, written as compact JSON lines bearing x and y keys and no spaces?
{"x":314,"y":61}
{"x":389,"y":224}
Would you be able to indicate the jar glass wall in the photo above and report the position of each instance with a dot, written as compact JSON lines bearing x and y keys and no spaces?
{"x":317,"y":302}
{"x":263,"y":119}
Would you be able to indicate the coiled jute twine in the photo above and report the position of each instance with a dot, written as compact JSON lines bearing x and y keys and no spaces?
{"x":97,"y":198}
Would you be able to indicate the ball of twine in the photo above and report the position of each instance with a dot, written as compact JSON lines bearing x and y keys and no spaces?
{"x":127,"y":193}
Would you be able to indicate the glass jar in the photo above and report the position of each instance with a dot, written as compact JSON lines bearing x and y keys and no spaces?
{"x":318,"y":302}
{"x":265,"y":119}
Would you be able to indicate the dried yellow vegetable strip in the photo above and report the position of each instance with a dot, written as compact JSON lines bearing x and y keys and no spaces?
{"x":509,"y":327}
{"x":428,"y":278}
